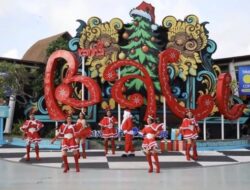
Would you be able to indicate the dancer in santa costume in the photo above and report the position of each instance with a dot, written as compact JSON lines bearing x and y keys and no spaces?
{"x":108,"y":130}
{"x":67,"y":132}
{"x":30,"y":129}
{"x":149,"y":145}
{"x":126,"y":126}
{"x":190,"y":129}
{"x":82,"y":131}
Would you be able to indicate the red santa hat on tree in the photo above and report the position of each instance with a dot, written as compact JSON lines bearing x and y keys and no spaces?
{"x":145,"y":10}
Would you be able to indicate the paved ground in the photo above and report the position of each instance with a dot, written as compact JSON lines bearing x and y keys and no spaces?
{"x":97,"y":160}
{"x":15,"y":176}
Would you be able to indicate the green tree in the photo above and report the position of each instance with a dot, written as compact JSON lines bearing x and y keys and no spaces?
{"x":59,"y":43}
{"x":13,"y":78}
{"x":142,"y":47}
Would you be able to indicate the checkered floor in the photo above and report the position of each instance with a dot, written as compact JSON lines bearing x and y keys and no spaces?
{"x":97,"y":160}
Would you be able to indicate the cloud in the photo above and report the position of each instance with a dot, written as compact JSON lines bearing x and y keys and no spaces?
{"x":62,"y":16}
{"x":5,"y":7}
{"x":12,"y":53}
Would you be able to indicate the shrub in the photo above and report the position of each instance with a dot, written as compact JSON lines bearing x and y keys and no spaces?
{"x":16,"y":128}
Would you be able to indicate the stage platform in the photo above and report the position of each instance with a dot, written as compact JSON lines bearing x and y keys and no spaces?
{"x":96,"y":158}
{"x":215,"y":144}
{"x":215,"y":169}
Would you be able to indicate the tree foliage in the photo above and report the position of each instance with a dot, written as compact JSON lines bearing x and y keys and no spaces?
{"x":59,"y":43}
{"x":15,"y":78}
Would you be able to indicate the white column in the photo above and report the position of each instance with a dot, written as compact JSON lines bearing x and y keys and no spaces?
{"x":222,"y":127}
{"x":119,"y":121}
{"x":9,"y":120}
{"x":119,"y":112}
{"x":238,"y":128}
{"x":164,"y":114}
{"x":56,"y":126}
{"x":1,"y":131}
{"x":204,"y":129}
{"x":83,"y":68}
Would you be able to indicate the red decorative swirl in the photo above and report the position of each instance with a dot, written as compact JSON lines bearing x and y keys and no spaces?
{"x":205,"y":103}
{"x":223,"y":93}
{"x":135,"y":100}
{"x":64,"y":91}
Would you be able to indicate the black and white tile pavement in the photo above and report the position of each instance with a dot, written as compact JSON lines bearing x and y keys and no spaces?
{"x":97,"y":160}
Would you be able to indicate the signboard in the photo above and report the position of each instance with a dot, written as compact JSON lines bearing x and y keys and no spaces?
{"x":244,"y":80}
{"x":4,"y":111}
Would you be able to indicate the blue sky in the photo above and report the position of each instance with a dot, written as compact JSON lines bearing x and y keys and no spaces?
{"x":23,"y":22}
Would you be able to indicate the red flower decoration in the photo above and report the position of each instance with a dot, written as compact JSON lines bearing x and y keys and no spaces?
{"x":64,"y":91}
{"x":223,"y":94}
{"x":135,"y":100}
{"x":205,"y":102}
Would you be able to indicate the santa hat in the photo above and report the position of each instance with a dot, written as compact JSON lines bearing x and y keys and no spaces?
{"x":107,"y":108}
{"x":127,"y":113}
{"x":150,"y":117}
{"x":83,"y":113}
{"x":147,"y":11}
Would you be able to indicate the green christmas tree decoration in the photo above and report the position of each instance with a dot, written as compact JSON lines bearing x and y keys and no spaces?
{"x":142,"y":45}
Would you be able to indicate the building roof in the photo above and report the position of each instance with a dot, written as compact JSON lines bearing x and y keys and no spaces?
{"x":227,"y":60}
{"x":23,"y":62}
{"x":37,"y":52}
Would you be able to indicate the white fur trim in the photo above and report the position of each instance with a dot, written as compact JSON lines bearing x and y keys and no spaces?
{"x":154,"y":27}
{"x":126,"y":115}
{"x":140,"y":13}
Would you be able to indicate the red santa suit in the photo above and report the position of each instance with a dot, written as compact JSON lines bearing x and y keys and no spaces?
{"x":108,"y":127}
{"x":189,"y":128}
{"x":31,"y":128}
{"x":81,"y":129}
{"x":68,"y":134}
{"x":126,"y":126}
{"x":149,"y":132}
{"x":109,"y":132}
{"x":149,"y":144}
